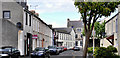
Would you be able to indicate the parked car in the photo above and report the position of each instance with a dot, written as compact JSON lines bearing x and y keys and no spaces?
{"x":40,"y":52}
{"x":65,"y":48}
{"x":59,"y":49}
{"x":76,"y":48}
{"x":53,"y":50}
{"x":70,"y":48}
{"x":62,"y":48}
{"x":9,"y":52}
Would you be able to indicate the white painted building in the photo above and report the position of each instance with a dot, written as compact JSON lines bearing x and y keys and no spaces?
{"x":36,"y":33}
{"x":65,"y":37}
{"x":77,"y":26}
{"x":111,"y":30}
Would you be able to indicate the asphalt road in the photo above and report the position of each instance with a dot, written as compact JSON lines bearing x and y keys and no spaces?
{"x":67,"y":54}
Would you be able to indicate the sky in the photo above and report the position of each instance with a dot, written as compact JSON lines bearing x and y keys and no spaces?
{"x":56,"y":12}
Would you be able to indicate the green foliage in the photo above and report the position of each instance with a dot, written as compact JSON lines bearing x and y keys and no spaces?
{"x":90,"y":49}
{"x":90,"y":12}
{"x":83,"y":33}
{"x":102,"y":8}
{"x":99,"y":30}
{"x":112,"y":49}
{"x":103,"y":52}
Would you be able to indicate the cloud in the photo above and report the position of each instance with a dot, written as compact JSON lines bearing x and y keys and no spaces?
{"x":55,"y":12}
{"x":48,"y":6}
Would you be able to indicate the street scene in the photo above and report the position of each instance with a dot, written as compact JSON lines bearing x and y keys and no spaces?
{"x":59,"y":29}
{"x":66,"y":54}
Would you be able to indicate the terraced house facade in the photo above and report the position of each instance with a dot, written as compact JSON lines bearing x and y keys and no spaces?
{"x":22,"y":28}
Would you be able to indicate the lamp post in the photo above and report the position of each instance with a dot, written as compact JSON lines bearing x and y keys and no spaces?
{"x":93,"y":33}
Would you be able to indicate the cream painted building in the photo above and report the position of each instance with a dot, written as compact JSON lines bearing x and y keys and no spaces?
{"x":111,"y":30}
{"x":65,"y":37}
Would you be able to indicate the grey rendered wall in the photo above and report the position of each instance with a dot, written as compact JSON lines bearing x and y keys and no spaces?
{"x":0,"y":23}
{"x":16,"y":11}
{"x":0,"y":10}
{"x":0,"y":32}
{"x":118,"y":33}
{"x":9,"y":30}
{"x":9,"y":34}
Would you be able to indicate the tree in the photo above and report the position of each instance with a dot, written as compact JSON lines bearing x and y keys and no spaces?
{"x":90,"y":12}
{"x":99,"y":30}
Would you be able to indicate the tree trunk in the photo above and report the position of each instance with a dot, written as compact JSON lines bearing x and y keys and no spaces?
{"x":87,"y":36}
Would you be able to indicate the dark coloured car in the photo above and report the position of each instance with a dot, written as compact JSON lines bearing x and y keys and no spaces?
{"x":9,"y":52}
{"x":53,"y":50}
{"x":76,"y":49}
{"x":40,"y":52}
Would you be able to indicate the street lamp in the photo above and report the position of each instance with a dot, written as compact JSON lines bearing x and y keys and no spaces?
{"x":93,"y":33}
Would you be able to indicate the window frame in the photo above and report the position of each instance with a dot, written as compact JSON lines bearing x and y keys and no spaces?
{"x":4,"y":15}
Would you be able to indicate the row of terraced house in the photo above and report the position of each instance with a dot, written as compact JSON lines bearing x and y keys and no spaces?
{"x":23,"y":29}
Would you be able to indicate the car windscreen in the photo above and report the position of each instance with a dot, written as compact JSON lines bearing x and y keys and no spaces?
{"x":39,"y":49}
{"x":76,"y":47}
{"x":5,"y":50}
{"x":52,"y":47}
{"x":59,"y":48}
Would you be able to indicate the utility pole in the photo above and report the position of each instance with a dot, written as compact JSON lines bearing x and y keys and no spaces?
{"x":93,"y":41}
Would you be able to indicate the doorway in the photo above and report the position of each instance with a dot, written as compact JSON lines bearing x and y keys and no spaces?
{"x":28,"y":44}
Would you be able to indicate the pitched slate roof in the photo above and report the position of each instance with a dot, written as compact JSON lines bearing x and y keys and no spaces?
{"x":75,"y":24}
{"x":63,"y":30}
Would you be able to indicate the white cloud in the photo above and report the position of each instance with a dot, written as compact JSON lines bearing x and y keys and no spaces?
{"x":53,"y":5}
